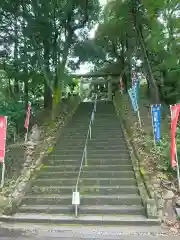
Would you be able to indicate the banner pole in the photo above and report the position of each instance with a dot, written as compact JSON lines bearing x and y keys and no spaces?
{"x":26,"y":136}
{"x":3,"y":174}
{"x":153,"y":127}
{"x":177,"y":165}
{"x":3,"y":163}
{"x":139,"y":118}
{"x":28,"y":113}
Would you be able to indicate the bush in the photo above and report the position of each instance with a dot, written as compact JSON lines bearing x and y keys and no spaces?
{"x":163,"y":149}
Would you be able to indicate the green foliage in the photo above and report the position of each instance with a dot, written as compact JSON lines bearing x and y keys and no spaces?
{"x":147,"y":30}
{"x":163,"y":149}
{"x":15,"y":113}
{"x":37,"y":40}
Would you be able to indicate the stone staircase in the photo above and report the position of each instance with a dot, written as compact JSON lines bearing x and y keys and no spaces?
{"x":108,"y":190}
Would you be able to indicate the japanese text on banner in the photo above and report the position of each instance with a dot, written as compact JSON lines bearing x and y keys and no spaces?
{"x":3,"y":126}
{"x":156,"y":119}
{"x":133,"y":96}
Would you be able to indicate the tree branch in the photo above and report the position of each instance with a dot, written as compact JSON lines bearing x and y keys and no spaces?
{"x":85,"y":19}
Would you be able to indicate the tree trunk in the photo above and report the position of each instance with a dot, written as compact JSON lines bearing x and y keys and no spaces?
{"x":123,"y":65}
{"x":47,"y":95}
{"x":47,"y":89}
{"x":26,"y":91}
{"x":128,"y":64}
{"x":138,"y":27}
{"x":58,"y":81}
{"x":16,"y":80}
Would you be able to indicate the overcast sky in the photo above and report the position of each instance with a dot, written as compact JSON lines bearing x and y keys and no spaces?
{"x":102,"y":1}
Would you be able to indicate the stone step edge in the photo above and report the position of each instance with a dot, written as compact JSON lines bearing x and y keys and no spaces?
{"x":100,"y":171}
{"x":89,"y":187}
{"x":69,"y":173}
{"x":68,"y":196}
{"x":84,"y":178}
{"x":135,"y":220}
{"x":89,"y":207}
{"x":77,"y":166}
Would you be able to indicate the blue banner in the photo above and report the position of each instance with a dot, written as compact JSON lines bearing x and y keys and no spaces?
{"x":133,"y":96}
{"x":137,"y":86}
{"x":156,"y":119}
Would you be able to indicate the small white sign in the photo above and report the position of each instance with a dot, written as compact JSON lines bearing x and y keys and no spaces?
{"x":93,"y":117}
{"x":75,"y":198}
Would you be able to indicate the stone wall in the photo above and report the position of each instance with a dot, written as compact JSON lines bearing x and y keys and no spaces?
{"x":145,"y":189}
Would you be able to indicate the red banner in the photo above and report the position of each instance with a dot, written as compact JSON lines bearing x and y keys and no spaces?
{"x":27,"y":116}
{"x":3,"y":126}
{"x":175,"y":109}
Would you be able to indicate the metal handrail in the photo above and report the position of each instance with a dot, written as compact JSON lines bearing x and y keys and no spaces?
{"x":76,"y":196}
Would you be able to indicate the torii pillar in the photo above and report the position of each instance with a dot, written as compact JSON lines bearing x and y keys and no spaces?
{"x":81,"y":88}
{"x":109,"y":89}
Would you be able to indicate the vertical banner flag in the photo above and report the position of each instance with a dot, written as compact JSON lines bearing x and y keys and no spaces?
{"x":26,"y":124}
{"x":3,"y":127}
{"x":133,"y":97}
{"x":135,"y":81}
{"x":156,"y":118}
{"x":175,"y":109}
{"x":134,"y":77}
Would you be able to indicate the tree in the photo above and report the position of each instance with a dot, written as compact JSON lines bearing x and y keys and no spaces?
{"x":146,"y":30}
{"x":37,"y":39}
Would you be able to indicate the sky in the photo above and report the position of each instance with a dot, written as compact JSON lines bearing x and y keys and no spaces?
{"x":84,"y":68}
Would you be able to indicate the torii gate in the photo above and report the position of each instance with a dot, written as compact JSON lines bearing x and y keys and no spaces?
{"x":106,"y":78}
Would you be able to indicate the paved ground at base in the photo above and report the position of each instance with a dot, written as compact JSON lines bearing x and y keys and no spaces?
{"x":23,"y":232}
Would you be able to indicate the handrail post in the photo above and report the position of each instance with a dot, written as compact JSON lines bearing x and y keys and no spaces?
{"x":93,"y":117}
{"x":76,"y":207}
{"x":90,"y":131}
{"x":95,"y":103}
{"x":85,"y":155}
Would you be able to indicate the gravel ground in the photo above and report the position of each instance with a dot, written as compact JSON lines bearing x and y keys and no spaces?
{"x":23,"y":232}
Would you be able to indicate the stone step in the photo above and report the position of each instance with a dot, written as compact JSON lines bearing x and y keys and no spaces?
{"x":83,"y":219}
{"x":76,"y":133}
{"x":76,"y":130}
{"x":56,"y":199}
{"x":107,"y":141}
{"x":91,"y":161}
{"x":109,"y":121}
{"x":73,"y":150}
{"x":105,"y":190}
{"x":62,"y":162}
{"x":108,"y":155}
{"x":107,"y":130}
{"x":101,"y":137}
{"x":101,"y":155}
{"x":98,"y":148}
{"x":86,"y":173}
{"x":92,"y":142}
{"x":91,"y":209}
{"x":91,"y":168}
{"x":91,"y":150}
{"x":104,"y":144}
{"x":79,"y":138}
{"x":68,"y":144}
{"x":84,"y":181}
